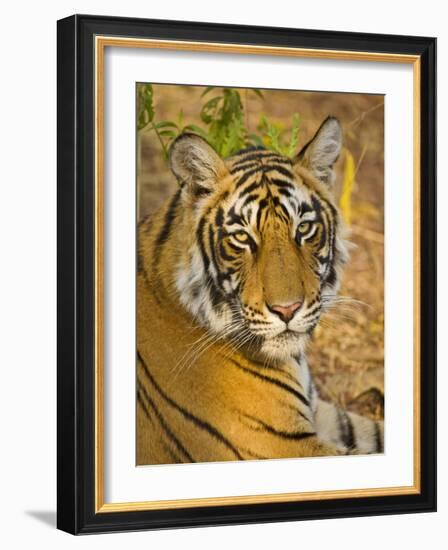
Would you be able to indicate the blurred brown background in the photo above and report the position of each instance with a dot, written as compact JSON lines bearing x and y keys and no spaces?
{"x":347,"y":352}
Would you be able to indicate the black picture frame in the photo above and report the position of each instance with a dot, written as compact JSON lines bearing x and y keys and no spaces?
{"x":76,"y":254}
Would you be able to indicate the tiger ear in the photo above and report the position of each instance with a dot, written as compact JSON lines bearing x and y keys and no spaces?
{"x":320,"y":154}
{"x":195,"y":164}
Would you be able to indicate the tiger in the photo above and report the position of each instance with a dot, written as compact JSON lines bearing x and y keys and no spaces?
{"x":234,"y":273}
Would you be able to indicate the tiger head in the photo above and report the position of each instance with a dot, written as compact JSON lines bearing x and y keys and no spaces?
{"x":262,"y":244}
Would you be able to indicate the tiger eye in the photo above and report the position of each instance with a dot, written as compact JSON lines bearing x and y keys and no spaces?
{"x":304,"y":227}
{"x":241,"y":236}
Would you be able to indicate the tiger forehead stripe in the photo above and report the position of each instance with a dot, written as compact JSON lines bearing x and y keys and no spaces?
{"x":243,"y":179}
{"x":257,"y":155}
{"x":254,"y":182}
{"x":243,"y":166}
{"x":254,"y":185}
{"x":279,"y":168}
{"x":258,"y":160}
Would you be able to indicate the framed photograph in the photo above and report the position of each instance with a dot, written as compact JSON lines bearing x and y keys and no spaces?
{"x":246,"y":274}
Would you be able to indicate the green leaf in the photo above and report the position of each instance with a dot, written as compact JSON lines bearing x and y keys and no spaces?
{"x":294,"y":139}
{"x":145,"y":107}
{"x":196,"y":129}
{"x":258,"y":92}
{"x":168,"y":133}
{"x":211,"y":103}
{"x":263,"y":123}
{"x":234,"y":140}
{"x":274,"y":135}
{"x":166,"y":124}
{"x":209,"y":110}
{"x":207,"y":90}
{"x":180,"y":119}
{"x":255,"y":139}
{"x":271,"y":132}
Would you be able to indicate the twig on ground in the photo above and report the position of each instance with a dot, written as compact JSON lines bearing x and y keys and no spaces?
{"x":368,"y":234}
{"x":363,"y":115}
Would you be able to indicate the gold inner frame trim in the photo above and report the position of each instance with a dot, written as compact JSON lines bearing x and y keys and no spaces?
{"x":101,"y":42}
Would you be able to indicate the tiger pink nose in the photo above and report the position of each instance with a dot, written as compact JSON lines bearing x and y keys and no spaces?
{"x":286,"y":313}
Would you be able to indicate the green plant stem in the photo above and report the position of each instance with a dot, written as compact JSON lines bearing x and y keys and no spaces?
{"x":152,"y":127}
{"x":246,"y":101}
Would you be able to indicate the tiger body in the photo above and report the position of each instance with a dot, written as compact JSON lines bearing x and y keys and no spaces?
{"x":234,"y":273}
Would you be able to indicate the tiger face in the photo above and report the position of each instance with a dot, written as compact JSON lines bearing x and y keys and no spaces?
{"x":263,"y":247}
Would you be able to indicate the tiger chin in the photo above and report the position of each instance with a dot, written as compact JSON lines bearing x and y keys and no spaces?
{"x":234,"y":273}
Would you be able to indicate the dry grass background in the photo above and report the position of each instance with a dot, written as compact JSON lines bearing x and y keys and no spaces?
{"x":347,"y":351}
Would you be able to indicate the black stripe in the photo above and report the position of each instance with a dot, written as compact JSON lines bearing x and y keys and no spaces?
{"x":174,"y":457}
{"x":273,"y":381}
{"x":323,"y":237}
{"x":164,"y":233}
{"x":310,"y":388}
{"x":142,"y":404}
{"x":214,"y":292}
{"x":279,"y":370}
{"x":140,"y":261}
{"x":164,"y":425}
{"x":285,"y":193}
{"x":224,"y":254}
{"x":263,"y":154}
{"x":200,"y":240}
{"x":151,"y":287}
{"x":169,"y":217}
{"x":235,"y":248}
{"x":331,"y":277}
{"x":250,"y":188}
{"x":296,"y":436}
{"x":253,"y":455}
{"x":219,"y":218}
{"x":330,"y":235}
{"x":346,"y":431}
{"x":285,"y":214}
{"x":282,"y":184}
{"x":331,"y":222}
{"x":261,"y":206}
{"x":188,"y":415}
{"x":252,"y":245}
{"x":242,"y":180}
{"x":240,"y":167}
{"x":248,"y":149}
{"x":326,"y":202}
{"x":351,"y":439}
{"x":327,"y":233}
{"x":233,"y":217}
{"x":323,"y":260}
{"x":314,"y":301}
{"x":294,"y":409}
{"x":211,"y":243}
{"x":379,"y":448}
{"x":311,"y":312}
{"x":250,"y":198}
{"x":279,"y":168}
{"x":304,"y":207}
